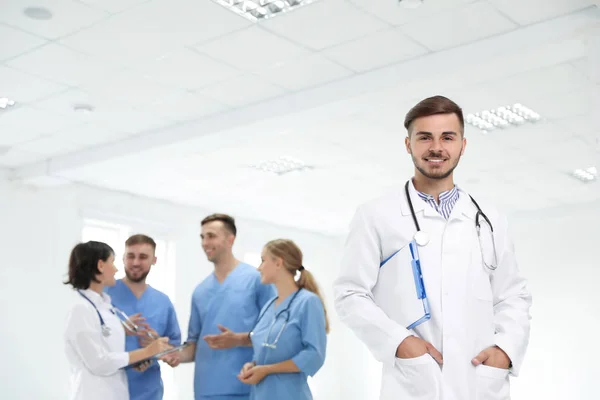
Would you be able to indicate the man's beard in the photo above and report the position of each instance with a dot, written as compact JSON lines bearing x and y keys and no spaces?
{"x":435,"y":175}
{"x":139,"y":279}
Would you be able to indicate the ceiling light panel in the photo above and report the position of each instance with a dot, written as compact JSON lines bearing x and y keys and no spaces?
{"x":586,"y":175}
{"x":39,"y":13}
{"x":411,"y":4}
{"x":256,"y":10}
{"x":502,"y":117}
{"x":281,"y":166}
{"x":6,"y":103}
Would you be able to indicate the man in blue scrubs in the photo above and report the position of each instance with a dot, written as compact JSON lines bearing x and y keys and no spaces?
{"x":132,"y":295}
{"x":225,"y":306}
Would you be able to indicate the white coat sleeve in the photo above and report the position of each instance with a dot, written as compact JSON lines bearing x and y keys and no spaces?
{"x":84,"y":334}
{"x":353,"y":290}
{"x":512,"y":301}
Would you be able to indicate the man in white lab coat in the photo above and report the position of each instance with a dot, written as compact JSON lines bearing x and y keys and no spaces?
{"x":444,"y":310}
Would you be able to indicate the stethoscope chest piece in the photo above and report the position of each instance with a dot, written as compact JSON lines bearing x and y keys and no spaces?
{"x":421,"y":238}
{"x":105,"y":331}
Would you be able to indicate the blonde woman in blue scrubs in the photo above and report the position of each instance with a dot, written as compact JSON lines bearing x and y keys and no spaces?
{"x":290,"y":336}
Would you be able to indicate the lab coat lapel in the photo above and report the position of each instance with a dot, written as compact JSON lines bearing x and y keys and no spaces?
{"x":422,"y":209}
{"x":464,"y":209}
{"x":97,"y":299}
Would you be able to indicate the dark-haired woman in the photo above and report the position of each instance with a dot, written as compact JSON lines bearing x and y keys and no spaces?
{"x":94,"y":336}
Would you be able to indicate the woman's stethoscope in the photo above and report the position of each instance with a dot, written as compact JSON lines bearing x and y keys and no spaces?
{"x":286,"y":311}
{"x":422,"y":238}
{"x":125,"y":320}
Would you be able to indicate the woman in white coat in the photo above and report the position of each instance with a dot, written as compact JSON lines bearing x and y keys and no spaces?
{"x":94,"y":335}
{"x":429,"y":280}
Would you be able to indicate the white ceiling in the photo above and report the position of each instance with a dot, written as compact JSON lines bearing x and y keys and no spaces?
{"x":186,"y":95}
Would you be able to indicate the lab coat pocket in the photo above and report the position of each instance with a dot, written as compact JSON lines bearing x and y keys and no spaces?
{"x":416,"y":378}
{"x":492,"y":383}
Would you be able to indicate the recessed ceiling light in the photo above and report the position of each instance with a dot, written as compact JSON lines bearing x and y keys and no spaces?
{"x":83,"y":108}
{"x":6,"y":102}
{"x":281,"y":166}
{"x":40,"y":13}
{"x":586,"y":175}
{"x":411,"y":3}
{"x":256,"y":10}
{"x":502,"y":117}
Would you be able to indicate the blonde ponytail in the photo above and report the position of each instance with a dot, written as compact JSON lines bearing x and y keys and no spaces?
{"x":307,"y":281}
{"x":292,"y":256}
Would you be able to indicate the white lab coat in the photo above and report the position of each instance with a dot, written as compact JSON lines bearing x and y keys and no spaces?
{"x":472,"y":307}
{"x":95,"y":360}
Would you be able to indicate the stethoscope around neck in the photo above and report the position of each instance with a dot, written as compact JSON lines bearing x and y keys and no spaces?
{"x":125,"y":320}
{"x":285,"y":311}
{"x":422,"y":238}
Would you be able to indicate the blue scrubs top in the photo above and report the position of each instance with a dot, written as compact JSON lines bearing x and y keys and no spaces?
{"x":159,"y":312}
{"x":234,"y":304}
{"x":303,"y":340}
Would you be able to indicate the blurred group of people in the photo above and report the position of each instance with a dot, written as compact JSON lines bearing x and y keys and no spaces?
{"x":253,"y":333}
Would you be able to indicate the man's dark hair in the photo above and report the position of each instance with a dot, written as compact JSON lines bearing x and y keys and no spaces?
{"x":83,"y":263}
{"x":432,"y":106}
{"x":140,"y":239}
{"x":227,"y":220}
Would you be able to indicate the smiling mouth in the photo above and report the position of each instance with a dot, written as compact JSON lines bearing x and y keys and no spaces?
{"x":435,"y":160}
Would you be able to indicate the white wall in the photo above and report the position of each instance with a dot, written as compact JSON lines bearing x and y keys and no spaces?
{"x":556,"y":250}
{"x":33,"y":231}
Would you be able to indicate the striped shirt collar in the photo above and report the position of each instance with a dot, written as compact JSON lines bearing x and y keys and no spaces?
{"x":447,"y":201}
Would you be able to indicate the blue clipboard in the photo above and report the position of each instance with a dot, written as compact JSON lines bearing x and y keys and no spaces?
{"x":413,"y":305}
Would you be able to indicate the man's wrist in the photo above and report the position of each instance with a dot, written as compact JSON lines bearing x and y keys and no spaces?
{"x":240,"y":339}
{"x":506,"y":355}
{"x":400,"y":344}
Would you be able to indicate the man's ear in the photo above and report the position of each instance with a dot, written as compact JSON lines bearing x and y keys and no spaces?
{"x":231,"y":239}
{"x":407,"y":144}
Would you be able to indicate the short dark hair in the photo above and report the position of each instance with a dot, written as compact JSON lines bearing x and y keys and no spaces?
{"x":432,"y":106}
{"x":227,"y":220}
{"x":140,"y":239}
{"x":83,"y":263}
